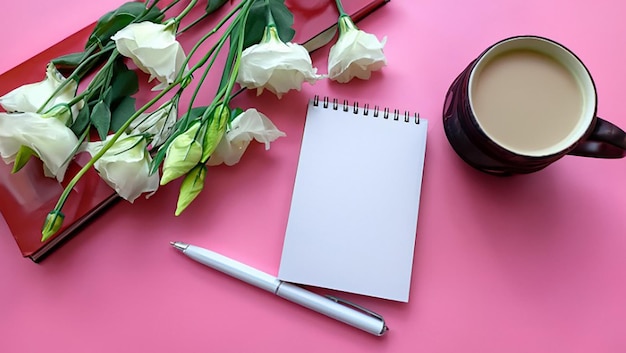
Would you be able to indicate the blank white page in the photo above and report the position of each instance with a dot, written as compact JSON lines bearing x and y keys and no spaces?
{"x":353,"y":216}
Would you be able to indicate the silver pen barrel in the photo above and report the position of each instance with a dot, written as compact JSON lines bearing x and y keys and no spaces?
{"x":351,"y":314}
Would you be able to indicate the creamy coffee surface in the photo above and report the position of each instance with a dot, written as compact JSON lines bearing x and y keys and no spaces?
{"x":526,"y":101}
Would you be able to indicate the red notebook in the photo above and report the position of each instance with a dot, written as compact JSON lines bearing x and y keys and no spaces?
{"x":27,"y":196}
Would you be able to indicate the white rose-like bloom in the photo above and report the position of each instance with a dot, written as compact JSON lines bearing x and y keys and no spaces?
{"x":159,"y":124}
{"x":31,"y":97}
{"x":53,"y":142}
{"x":356,"y":53}
{"x":125,"y":166}
{"x":276,"y":66}
{"x":248,"y":125}
{"x":154,"y":49}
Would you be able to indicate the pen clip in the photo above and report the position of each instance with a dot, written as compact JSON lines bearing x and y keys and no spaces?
{"x":356,"y":306}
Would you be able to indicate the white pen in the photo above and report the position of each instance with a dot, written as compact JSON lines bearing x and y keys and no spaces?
{"x":335,"y":308}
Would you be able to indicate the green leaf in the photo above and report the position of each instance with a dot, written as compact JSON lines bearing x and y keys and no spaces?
{"x":157,"y":160}
{"x":69,"y":61}
{"x":113,"y":21}
{"x":124,"y":82}
{"x":107,"y":97}
{"x":101,"y":119}
{"x":255,"y":25}
{"x":82,"y":121}
{"x":190,"y":117}
{"x":257,"y":21}
{"x":284,"y":20}
{"x":235,"y":113}
{"x":124,"y":110}
{"x":86,"y":60}
{"x":191,"y":187}
{"x":213,"y":5}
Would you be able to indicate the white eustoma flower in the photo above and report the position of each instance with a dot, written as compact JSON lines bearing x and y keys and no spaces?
{"x":159,"y":124}
{"x":125,"y":166}
{"x":248,"y":125}
{"x":49,"y":138}
{"x":30,"y":98}
{"x":356,"y":53}
{"x":276,"y":66}
{"x":154,"y":49}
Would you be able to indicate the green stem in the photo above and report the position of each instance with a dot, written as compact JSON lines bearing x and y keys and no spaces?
{"x":84,"y":67}
{"x":53,"y":95}
{"x":124,"y":127}
{"x":195,"y":22}
{"x":75,"y":75}
{"x":107,"y":70}
{"x":101,"y":79}
{"x":185,"y":11}
{"x":340,"y":8}
{"x":78,"y":98}
{"x":196,"y":91}
{"x":182,"y":77}
{"x":169,"y":6}
{"x":270,"y":17}
{"x":89,"y":51}
{"x":150,"y":5}
{"x":346,"y":24}
{"x":237,"y":63}
{"x":216,"y":48}
{"x":224,"y":93}
{"x":206,"y":37}
{"x":70,"y":186}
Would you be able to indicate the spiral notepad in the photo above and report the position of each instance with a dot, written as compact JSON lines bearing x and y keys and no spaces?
{"x":353,"y":215}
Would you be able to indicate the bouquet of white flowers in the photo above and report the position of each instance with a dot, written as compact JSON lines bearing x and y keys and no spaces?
{"x":87,"y":103}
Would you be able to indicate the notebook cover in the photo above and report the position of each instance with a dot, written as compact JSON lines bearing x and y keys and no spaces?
{"x":353,"y":215}
{"x":28,"y":196}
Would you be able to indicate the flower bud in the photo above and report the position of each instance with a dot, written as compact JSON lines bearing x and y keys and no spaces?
{"x":182,"y":154}
{"x":215,"y":131}
{"x":22,"y":157}
{"x":191,"y":187}
{"x":53,"y":223}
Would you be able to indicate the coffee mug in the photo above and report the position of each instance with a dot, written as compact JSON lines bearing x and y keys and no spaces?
{"x":524,"y":103}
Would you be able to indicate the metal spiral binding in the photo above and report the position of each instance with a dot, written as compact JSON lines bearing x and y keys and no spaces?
{"x":345,"y":106}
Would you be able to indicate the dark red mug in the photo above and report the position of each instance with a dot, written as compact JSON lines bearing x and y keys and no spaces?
{"x":524,"y":103}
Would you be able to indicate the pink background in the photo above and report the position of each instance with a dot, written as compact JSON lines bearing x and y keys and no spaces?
{"x":533,"y":263}
{"x":30,"y":26}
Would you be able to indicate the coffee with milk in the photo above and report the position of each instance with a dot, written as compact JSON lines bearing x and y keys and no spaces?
{"x":526,"y":101}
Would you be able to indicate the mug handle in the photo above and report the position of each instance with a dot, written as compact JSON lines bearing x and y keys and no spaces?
{"x":605,"y":141}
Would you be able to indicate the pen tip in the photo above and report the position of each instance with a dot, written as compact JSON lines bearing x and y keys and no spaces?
{"x":179,"y":245}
